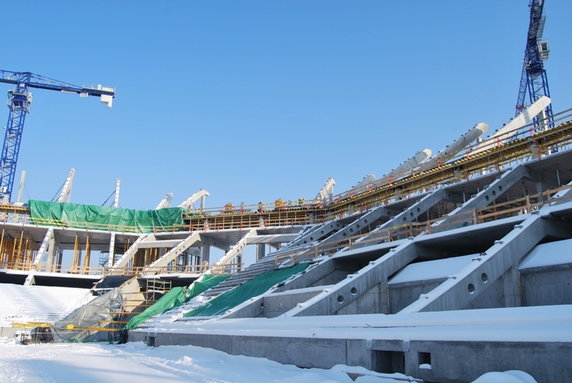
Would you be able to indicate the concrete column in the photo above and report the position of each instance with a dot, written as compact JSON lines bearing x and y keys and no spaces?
{"x":260,"y":251}
{"x":206,"y":253}
{"x":59,"y":258}
{"x":51,"y":253}
{"x":111,"y":259}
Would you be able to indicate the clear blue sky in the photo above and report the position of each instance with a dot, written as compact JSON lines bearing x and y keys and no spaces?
{"x":258,"y":100}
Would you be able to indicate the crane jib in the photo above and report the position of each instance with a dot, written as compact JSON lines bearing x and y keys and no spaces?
{"x":20,"y":99}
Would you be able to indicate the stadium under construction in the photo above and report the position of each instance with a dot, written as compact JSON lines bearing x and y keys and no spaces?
{"x":467,"y":256}
{"x":451,"y":265}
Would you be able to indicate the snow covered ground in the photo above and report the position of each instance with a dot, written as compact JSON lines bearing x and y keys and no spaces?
{"x":135,"y":362}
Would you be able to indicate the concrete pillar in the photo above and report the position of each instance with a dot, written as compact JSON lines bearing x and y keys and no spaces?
{"x":51,"y":253}
{"x":111,"y":259}
{"x":206,"y":253}
{"x":512,"y":288}
{"x":260,"y":251}
{"x":59,"y":258}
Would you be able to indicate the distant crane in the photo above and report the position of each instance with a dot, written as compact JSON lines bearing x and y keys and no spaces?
{"x":20,"y":99}
{"x":533,"y":79}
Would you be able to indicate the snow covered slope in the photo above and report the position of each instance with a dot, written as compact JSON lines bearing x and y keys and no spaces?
{"x":38,"y":303}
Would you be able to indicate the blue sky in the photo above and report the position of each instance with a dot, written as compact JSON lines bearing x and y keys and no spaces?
{"x":258,"y":100}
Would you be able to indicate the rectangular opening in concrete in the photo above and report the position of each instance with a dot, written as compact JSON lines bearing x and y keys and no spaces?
{"x":150,"y":340}
{"x":389,"y":361}
{"x":424,"y":359}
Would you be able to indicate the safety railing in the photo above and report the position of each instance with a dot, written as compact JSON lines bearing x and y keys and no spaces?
{"x":157,"y":270}
{"x":47,"y":268}
{"x":292,"y":217}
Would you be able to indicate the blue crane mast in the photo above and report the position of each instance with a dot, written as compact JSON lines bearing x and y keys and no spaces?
{"x":19,"y":100}
{"x":533,"y":79}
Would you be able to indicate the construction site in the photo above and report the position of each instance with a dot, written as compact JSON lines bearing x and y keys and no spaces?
{"x":463,"y":254}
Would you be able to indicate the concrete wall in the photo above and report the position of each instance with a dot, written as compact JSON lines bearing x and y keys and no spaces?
{"x":466,"y":361}
{"x":277,"y":304}
{"x":401,"y":295}
{"x":368,"y":303}
{"x":556,"y":283}
{"x":433,"y":361}
{"x":491,"y":297}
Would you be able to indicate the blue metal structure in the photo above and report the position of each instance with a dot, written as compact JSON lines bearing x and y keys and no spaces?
{"x":20,"y":99}
{"x":533,"y":79}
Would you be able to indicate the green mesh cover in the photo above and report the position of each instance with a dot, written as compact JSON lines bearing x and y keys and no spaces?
{"x":175,"y":298}
{"x":101,"y":217}
{"x":239,"y":294}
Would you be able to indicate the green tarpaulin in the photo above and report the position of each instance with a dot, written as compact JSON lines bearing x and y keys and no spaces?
{"x":239,"y":294}
{"x":101,"y":217}
{"x":175,"y":298}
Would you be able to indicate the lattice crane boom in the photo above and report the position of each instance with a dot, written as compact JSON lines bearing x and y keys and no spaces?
{"x":533,"y":79}
{"x":20,"y":99}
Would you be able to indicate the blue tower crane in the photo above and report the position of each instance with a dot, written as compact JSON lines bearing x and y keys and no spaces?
{"x":20,"y":99}
{"x":533,"y":79}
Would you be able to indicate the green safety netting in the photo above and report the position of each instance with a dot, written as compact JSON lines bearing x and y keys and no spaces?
{"x":175,"y":298}
{"x":239,"y":294}
{"x":102,"y":217}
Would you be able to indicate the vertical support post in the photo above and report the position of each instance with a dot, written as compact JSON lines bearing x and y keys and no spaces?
{"x":76,"y":255}
{"x":384,"y":304}
{"x":27,"y":259}
{"x":11,"y":260}
{"x":206,"y":253}
{"x":87,"y":256}
{"x":512,"y":288}
{"x":260,"y":251}
{"x":3,"y":255}
{"x":51,"y":253}
{"x":19,"y":254}
{"x":111,"y":259}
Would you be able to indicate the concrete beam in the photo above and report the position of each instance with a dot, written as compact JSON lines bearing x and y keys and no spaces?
{"x":237,"y":249}
{"x":172,"y":254}
{"x":316,"y":233}
{"x":461,"y":289}
{"x":271,"y":238}
{"x":358,"y":226}
{"x":407,"y":216}
{"x":130,"y":253}
{"x":484,"y":198}
{"x":355,"y":285}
